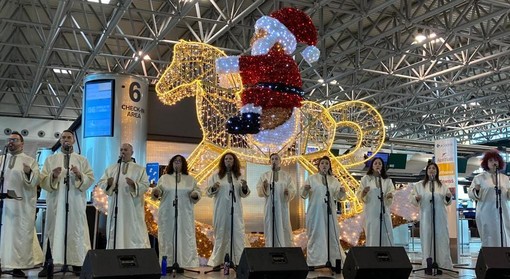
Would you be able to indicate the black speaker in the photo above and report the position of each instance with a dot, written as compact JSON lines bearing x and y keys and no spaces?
{"x":121,"y":263}
{"x":272,"y":263}
{"x":493,"y":262}
{"x":377,"y":262}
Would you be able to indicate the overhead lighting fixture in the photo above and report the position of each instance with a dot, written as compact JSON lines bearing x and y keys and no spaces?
{"x":321,"y":80}
{"x":333,"y":82}
{"x":100,"y":1}
{"x":61,"y":71}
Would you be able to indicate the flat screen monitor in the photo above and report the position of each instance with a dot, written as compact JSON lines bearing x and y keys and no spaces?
{"x":98,"y":108}
{"x":382,"y":155}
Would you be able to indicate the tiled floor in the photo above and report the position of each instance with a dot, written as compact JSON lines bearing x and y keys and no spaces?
{"x":468,"y":260}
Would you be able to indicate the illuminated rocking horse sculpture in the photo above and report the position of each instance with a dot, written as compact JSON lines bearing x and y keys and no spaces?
{"x":192,"y":74}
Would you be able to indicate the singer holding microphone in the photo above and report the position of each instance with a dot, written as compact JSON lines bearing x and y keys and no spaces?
{"x":19,"y":246}
{"x":315,"y":189}
{"x":421,"y":196}
{"x":378,"y":227}
{"x":125,"y":183}
{"x":280,"y":184}
{"x":176,"y":177}
{"x":492,"y":223}
{"x":53,"y":180}
{"x":227,"y":238}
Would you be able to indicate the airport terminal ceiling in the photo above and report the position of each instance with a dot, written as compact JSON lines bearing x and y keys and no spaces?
{"x":434,"y":69}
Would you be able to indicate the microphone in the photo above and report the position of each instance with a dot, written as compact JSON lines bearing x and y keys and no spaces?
{"x":229,"y":175}
{"x":273,"y":166}
{"x":66,"y":146}
{"x":120,"y":159}
{"x":496,"y":167}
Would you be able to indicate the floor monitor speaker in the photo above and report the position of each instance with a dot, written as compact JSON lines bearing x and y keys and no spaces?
{"x":493,"y":263}
{"x":377,"y":262}
{"x":272,"y":263}
{"x":121,"y":263}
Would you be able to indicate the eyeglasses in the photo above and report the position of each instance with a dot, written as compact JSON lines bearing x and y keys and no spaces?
{"x":13,"y":140}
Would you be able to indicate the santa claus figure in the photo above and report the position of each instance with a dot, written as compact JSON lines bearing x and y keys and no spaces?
{"x":271,"y":78}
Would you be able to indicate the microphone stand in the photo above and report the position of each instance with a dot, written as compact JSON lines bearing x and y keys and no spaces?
{"x":499,"y":206}
{"x":382,"y":210}
{"x":116,"y":209}
{"x":175,"y":268}
{"x":272,"y":209}
{"x":67,"y":161}
{"x":232,"y":201}
{"x":329,"y":214}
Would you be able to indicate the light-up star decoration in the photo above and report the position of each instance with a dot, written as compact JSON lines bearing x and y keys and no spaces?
{"x":192,"y":74}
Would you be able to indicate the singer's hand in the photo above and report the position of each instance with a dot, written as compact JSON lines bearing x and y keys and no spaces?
{"x":449,"y":195}
{"x":366,"y":190}
{"x":389,"y":196}
{"x":56,"y":172}
{"x":26,"y":169}
{"x":216,"y":186}
{"x":418,"y":198}
{"x":244,"y":184}
{"x":193,"y":195}
{"x":477,"y":187}
{"x":266,"y":184}
{"x":342,"y":189}
{"x":76,"y":171}
{"x":130,"y":182}
{"x":156,"y":193}
{"x":307,"y":187}
{"x":110,"y":181}
{"x":286,"y":191}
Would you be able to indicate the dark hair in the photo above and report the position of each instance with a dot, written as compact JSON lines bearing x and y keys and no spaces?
{"x":19,"y":135}
{"x":436,"y":178}
{"x":68,"y":131}
{"x":236,"y":168}
{"x":273,"y":154}
{"x":492,"y":154}
{"x":330,"y":171}
{"x":383,"y":169}
{"x":170,"y":168}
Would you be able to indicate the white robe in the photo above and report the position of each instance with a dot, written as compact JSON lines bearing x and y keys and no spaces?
{"x":372,"y":209}
{"x":221,"y":220}
{"x":187,"y":255}
{"x":443,"y":257}
{"x":78,"y":240}
{"x":19,"y":246}
{"x":283,"y":229}
{"x":317,"y":218}
{"x":131,"y":228}
{"x":487,"y":215}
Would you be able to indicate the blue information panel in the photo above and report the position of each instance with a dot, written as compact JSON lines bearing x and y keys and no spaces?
{"x":153,"y":172}
{"x":98,"y":108}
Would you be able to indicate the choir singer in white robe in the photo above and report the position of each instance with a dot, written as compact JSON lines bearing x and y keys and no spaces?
{"x":125,"y":183}
{"x":81,"y":177}
{"x":219,"y":186}
{"x":421,"y":196}
{"x":284,"y":191}
{"x":19,"y":246}
{"x":315,"y":189}
{"x":188,"y":194}
{"x":482,"y":190}
{"x":369,"y":193}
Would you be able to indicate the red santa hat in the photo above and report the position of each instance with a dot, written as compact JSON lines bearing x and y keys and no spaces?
{"x":301,"y":26}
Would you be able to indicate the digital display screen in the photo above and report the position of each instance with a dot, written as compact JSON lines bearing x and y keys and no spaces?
{"x":152,"y":170}
{"x":98,"y":108}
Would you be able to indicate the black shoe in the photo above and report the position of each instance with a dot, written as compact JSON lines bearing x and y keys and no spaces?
{"x":43,"y":272}
{"x":76,"y":270}
{"x":18,"y":273}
